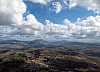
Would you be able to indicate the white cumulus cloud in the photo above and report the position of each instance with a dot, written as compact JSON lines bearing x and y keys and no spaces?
{"x":56,"y":6}
{"x":11,"y":14}
{"x":11,"y":11}
{"x":93,"y":5}
{"x":40,"y":1}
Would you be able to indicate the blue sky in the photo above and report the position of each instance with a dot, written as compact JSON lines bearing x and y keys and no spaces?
{"x":43,"y":12}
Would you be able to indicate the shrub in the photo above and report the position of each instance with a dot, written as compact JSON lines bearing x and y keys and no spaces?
{"x":20,"y":56}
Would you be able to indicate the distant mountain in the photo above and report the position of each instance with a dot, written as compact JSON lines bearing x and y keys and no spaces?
{"x":40,"y":43}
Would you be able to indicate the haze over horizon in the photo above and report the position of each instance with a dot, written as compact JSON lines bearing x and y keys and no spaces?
{"x":72,"y":20}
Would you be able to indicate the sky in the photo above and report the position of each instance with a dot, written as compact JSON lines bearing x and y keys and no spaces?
{"x":52,"y":20}
{"x":57,"y":15}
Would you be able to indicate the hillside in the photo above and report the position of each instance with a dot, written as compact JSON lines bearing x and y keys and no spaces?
{"x":48,"y":60}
